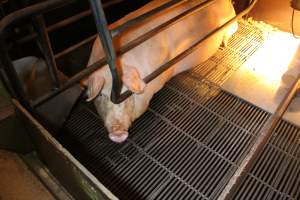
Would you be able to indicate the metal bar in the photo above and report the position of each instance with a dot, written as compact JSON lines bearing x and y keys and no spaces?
{"x":182,"y":55}
{"x":72,"y":48}
{"x":126,"y":25}
{"x":30,"y":11}
{"x":14,"y":82}
{"x":66,"y":21}
{"x":107,"y":44}
{"x":71,"y":174}
{"x":47,"y":49}
{"x":134,"y":43}
{"x":263,"y":137}
{"x":144,"y":16}
{"x":90,"y":69}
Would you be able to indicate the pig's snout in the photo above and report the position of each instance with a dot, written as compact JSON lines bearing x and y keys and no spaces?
{"x":118,"y":135}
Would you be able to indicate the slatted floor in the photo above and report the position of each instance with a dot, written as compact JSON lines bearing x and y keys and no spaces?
{"x":192,"y":139}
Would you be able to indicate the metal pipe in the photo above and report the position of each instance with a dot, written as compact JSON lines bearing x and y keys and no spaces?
{"x":14,"y":82}
{"x":47,"y":49}
{"x":30,"y":11}
{"x":72,"y":81}
{"x":259,"y":145}
{"x":90,"y":69}
{"x":141,"y":18}
{"x":72,"y":48}
{"x":67,"y":21}
{"x":107,"y":44}
{"x":126,"y":25}
{"x":134,"y":43}
{"x":56,"y":26}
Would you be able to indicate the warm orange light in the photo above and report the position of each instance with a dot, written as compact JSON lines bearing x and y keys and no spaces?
{"x":269,"y":63}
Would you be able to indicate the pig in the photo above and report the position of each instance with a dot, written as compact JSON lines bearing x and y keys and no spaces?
{"x":148,"y":56}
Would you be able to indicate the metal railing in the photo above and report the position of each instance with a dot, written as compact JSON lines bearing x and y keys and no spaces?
{"x":105,"y":35}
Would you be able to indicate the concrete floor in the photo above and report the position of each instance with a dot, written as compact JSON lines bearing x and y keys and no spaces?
{"x":17,"y":182}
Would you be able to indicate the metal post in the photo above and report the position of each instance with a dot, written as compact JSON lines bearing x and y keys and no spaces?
{"x":14,"y":82}
{"x":107,"y":44}
{"x":46,"y":48}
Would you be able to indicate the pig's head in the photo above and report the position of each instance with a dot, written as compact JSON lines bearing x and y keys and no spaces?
{"x":117,"y":117}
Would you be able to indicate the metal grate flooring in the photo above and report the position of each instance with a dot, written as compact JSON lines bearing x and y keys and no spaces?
{"x":192,"y":139}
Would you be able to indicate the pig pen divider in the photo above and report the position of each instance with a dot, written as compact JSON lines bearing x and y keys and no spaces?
{"x":90,"y":69}
{"x":8,"y":73}
{"x":121,"y":97}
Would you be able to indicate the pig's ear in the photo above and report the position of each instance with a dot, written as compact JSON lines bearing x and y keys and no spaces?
{"x":95,"y":85}
{"x":132,"y":80}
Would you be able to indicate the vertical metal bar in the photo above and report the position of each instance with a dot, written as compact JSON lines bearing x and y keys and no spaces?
{"x":47,"y":49}
{"x":14,"y":82}
{"x":107,"y":44}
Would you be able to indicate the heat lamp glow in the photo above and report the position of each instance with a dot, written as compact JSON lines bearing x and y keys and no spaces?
{"x":273,"y":59}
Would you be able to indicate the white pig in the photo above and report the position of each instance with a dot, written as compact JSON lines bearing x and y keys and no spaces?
{"x":145,"y":58}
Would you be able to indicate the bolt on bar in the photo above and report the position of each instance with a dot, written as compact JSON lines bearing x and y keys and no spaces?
{"x":47,"y":49}
{"x":90,"y":69}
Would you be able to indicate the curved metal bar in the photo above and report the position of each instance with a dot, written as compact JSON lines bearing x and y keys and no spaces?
{"x":30,"y":11}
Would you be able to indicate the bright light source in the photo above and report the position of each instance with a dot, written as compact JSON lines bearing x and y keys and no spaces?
{"x":273,"y":59}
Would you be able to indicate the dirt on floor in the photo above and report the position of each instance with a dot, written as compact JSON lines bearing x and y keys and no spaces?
{"x":17,"y":181}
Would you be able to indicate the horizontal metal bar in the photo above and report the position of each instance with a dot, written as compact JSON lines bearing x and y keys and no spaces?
{"x":182,"y":55}
{"x":56,"y":26}
{"x":76,"y":46}
{"x":141,"y":18}
{"x":72,"y":81}
{"x":90,"y":69}
{"x":134,"y":43}
{"x":66,"y":21}
{"x":123,"y":27}
{"x":30,"y":11}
